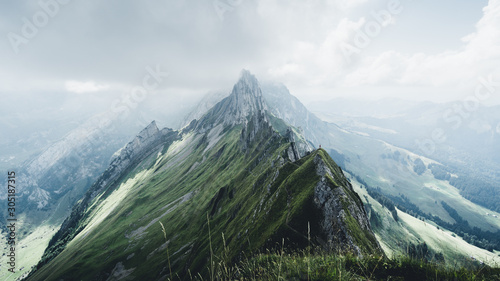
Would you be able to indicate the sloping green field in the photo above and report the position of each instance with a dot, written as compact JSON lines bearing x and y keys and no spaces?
{"x":394,"y":236}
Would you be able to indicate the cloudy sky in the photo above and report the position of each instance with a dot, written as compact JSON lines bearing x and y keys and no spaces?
{"x":74,"y":53}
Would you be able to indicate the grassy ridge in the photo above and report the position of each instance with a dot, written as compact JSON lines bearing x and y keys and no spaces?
{"x":224,"y":166}
{"x":199,"y":186}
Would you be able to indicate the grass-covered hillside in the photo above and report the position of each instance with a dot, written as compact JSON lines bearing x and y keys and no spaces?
{"x":226,"y":187}
{"x":206,"y":195}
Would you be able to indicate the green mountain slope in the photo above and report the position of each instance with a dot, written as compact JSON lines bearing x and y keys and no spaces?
{"x":226,"y":186}
{"x":395,"y":236}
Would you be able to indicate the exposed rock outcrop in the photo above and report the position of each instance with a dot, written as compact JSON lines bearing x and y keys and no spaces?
{"x":344,"y":217}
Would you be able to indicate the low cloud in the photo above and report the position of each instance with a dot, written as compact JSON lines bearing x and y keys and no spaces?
{"x":84,"y":87}
{"x":103,"y":46}
{"x":460,"y":68}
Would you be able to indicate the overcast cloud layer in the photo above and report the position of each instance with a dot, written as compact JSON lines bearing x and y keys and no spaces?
{"x":88,"y":53}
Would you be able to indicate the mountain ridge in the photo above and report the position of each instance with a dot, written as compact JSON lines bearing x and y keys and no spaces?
{"x":241,"y":175}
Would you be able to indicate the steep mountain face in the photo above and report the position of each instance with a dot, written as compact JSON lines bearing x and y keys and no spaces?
{"x":148,"y":141}
{"x":288,"y":108}
{"x":245,"y":101}
{"x":225,"y":185}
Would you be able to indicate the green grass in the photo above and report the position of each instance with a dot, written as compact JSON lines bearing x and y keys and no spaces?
{"x":394,"y":236}
{"x":141,"y":201}
{"x":304,"y":265}
{"x":248,"y":196}
{"x":29,"y":250}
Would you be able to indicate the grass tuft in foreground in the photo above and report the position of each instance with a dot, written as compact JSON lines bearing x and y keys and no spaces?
{"x":322,"y":266}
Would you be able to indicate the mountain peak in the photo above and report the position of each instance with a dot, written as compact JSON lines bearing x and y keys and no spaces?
{"x":148,"y":136}
{"x":248,"y":79}
{"x":149,"y":131}
{"x":247,"y":95}
{"x":244,"y":102}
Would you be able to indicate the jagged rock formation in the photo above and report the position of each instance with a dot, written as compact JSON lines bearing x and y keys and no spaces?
{"x":230,"y":180}
{"x":135,"y":151}
{"x":293,"y":152}
{"x":331,"y":199}
{"x":258,"y":124}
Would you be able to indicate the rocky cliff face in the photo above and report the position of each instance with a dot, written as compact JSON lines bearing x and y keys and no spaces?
{"x":246,"y":105}
{"x":279,"y":102}
{"x":245,"y":100}
{"x":340,"y":206}
{"x":135,"y":151}
{"x":144,"y":141}
{"x":293,"y":152}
